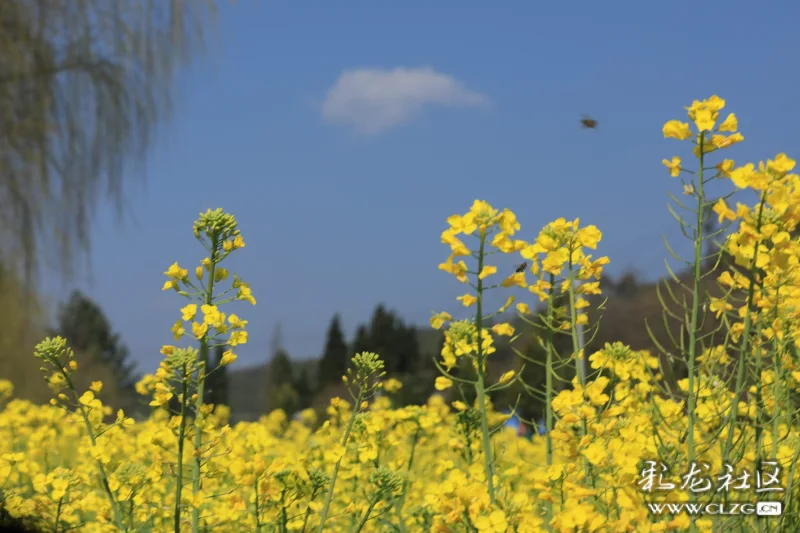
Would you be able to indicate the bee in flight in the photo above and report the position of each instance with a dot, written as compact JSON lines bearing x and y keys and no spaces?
{"x":588,"y":122}
{"x":521,"y":268}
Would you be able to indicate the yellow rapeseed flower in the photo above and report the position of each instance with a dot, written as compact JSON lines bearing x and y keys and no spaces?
{"x":228,"y":357}
{"x":487,"y":271}
{"x":507,"y":376}
{"x":467,"y":300}
{"x":673,"y":165}
{"x":443,"y":383}
{"x":188,"y":312}
{"x":675,"y":129}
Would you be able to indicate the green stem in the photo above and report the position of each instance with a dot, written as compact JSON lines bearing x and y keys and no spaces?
{"x":790,"y":490}
{"x":284,"y":517}
{"x":58,"y":515}
{"x":257,"y":507}
{"x":759,"y":402}
{"x":573,"y":311}
{"x":101,"y":469}
{"x":308,"y":511}
{"x":695,"y":314}
{"x":578,"y":350}
{"x":332,"y":484}
{"x":181,"y":440}
{"x":780,"y":378}
{"x":745,"y":346}
{"x":550,"y":394}
{"x":363,"y":521}
{"x":480,"y":386}
{"x":402,"y":502}
{"x":198,"y":416}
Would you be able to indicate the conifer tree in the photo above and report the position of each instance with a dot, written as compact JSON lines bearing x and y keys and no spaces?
{"x":333,"y":363}
{"x":281,"y":393}
{"x":86,"y":327}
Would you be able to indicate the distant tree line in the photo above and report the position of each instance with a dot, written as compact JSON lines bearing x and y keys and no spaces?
{"x":293,"y":387}
{"x":408,"y":352}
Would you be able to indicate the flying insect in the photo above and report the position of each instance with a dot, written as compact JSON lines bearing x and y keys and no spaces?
{"x":588,"y":122}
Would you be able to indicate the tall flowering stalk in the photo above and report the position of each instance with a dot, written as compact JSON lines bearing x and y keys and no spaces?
{"x":552,"y":366}
{"x":560,"y":263}
{"x":764,"y":269}
{"x":708,"y":138}
{"x":60,"y":365}
{"x":218,"y":232}
{"x":469,"y":339}
{"x":553,"y":362}
{"x":362,"y":381}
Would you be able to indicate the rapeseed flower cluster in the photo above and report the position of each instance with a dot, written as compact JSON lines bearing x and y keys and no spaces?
{"x":626,"y":430}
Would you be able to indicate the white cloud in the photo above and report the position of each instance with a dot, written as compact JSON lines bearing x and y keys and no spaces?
{"x":374,"y":100}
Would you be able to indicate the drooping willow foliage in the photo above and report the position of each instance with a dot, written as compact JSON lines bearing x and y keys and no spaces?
{"x":82,"y":86}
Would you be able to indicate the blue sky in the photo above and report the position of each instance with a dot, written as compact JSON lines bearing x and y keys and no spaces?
{"x":342,"y":203}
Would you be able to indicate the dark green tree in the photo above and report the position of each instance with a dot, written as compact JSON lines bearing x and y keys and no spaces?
{"x":217,"y":383}
{"x":281,"y":393}
{"x":83,"y":86}
{"x":334,"y":360}
{"x":398,"y":345}
{"x":389,"y":337}
{"x":85,"y":326}
{"x":361,"y":343}
{"x":276,"y":342}
{"x":382,"y":336}
{"x":281,"y":369}
{"x":418,"y":385}
{"x":304,"y":388}
{"x":627,"y":286}
{"x":406,"y":348}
